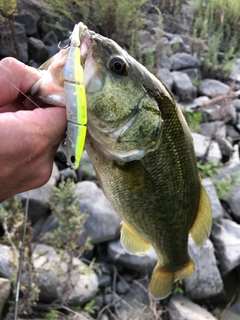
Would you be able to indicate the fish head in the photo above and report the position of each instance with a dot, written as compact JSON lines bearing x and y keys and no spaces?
{"x":124,"y":119}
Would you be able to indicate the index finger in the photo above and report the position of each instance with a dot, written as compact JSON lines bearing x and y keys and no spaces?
{"x":15,"y":77}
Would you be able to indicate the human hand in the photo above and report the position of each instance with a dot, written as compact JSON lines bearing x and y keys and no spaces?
{"x":29,"y":135}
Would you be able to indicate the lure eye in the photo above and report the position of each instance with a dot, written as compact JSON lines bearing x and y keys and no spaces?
{"x":119,"y":66}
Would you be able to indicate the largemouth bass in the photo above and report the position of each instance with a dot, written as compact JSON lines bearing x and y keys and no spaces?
{"x":143,"y":154}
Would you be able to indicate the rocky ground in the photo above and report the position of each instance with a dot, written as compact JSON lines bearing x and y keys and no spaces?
{"x":118,"y":285}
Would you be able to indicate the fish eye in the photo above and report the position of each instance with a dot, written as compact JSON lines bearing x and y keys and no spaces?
{"x":119,"y":65}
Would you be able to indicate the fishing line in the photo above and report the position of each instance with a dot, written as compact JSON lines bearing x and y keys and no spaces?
{"x":21,"y":249}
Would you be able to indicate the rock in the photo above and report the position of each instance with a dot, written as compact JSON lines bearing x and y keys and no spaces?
{"x":103,"y":223}
{"x":181,"y":308}
{"x":134,"y":303}
{"x":50,"y":39}
{"x":213,"y":88}
{"x":233,"y":133}
{"x":193,"y":73}
{"x":104,"y":280}
{"x":226,"y":148}
{"x":39,"y":198}
{"x":193,"y":106}
{"x":235,"y":73}
{"x":28,"y":20}
{"x":165,"y":76}
{"x":7,"y":48}
{"x":183,"y":87}
{"x":122,"y":287}
{"x":143,"y":264}
{"x":177,"y":44}
{"x":226,"y":239}
{"x":8,"y":262}
{"x":217,"y":209}
{"x":215,"y":129}
{"x":206,"y":282}
{"x":232,"y":192}
{"x":4,"y":292}
{"x":183,"y":60}
{"x":236,"y":102}
{"x":164,"y":46}
{"x":51,"y":276}
{"x":201,"y":143}
{"x":37,"y":50}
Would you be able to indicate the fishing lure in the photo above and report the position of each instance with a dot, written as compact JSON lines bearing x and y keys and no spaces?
{"x":76,"y":105}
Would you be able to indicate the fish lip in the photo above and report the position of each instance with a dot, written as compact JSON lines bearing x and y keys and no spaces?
{"x":85,"y":46}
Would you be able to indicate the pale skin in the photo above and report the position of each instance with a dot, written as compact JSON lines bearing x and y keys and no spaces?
{"x":29,"y":135}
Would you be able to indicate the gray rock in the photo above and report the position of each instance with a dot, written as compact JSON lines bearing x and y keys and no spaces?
{"x":201,"y":144}
{"x":37,"y":50}
{"x":206,"y":282}
{"x":7,"y":45}
{"x":164,"y":46}
{"x":103,"y":223}
{"x":193,"y":73}
{"x":51,"y":276}
{"x":183,"y":87}
{"x":165,"y":62}
{"x":143,"y":264}
{"x":183,"y":60}
{"x":30,"y":23}
{"x":134,"y":303}
{"x":181,"y":308}
{"x":233,"y":133}
{"x":122,"y":287}
{"x":177,"y":44}
{"x":226,"y":239}
{"x":165,"y":76}
{"x":215,"y":130}
{"x":50,"y":39}
{"x":236,"y":102}
{"x":213,"y":88}
{"x":8,"y":262}
{"x":39,"y":198}
{"x":226,"y":147}
{"x":104,"y":280}
{"x":227,"y":113}
{"x":217,"y":209}
{"x":235,"y":73}
{"x":4,"y":292}
{"x":193,"y":106}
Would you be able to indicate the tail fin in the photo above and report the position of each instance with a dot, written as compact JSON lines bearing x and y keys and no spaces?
{"x":162,"y":280}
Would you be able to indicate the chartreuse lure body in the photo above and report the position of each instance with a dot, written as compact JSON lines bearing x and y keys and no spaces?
{"x":76,"y":106}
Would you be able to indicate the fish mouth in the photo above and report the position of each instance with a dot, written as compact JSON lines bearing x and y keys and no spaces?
{"x":50,"y":87}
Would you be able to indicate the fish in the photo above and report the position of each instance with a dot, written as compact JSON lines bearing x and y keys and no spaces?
{"x":142,"y":150}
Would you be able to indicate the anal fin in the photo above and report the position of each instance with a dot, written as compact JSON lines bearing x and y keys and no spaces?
{"x":201,"y":227}
{"x":132,"y":242}
{"x":162,"y":280}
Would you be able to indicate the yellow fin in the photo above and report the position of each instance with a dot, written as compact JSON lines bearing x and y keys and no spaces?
{"x":201,"y":227}
{"x":132,"y":242}
{"x":162,"y":280}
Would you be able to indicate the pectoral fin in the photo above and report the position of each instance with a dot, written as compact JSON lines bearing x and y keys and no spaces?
{"x":201,"y":227}
{"x":132,"y":242}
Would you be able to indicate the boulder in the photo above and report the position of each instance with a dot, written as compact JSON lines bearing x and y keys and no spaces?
{"x":181,"y":308}
{"x":102,"y":224}
{"x":193,"y":106}
{"x":37,"y":50}
{"x":143,"y":264}
{"x":183,"y":87}
{"x":165,"y":76}
{"x":39,"y":197}
{"x":213,"y":88}
{"x":226,"y":239}
{"x":215,"y":129}
{"x":8,"y":262}
{"x":4,"y":292}
{"x":206,"y":282}
{"x":201,"y":144}
{"x":217,"y":210}
{"x":51,"y":276}
{"x":183,"y":60}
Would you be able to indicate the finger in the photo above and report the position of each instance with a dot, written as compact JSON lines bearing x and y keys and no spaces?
{"x":15,"y":78}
